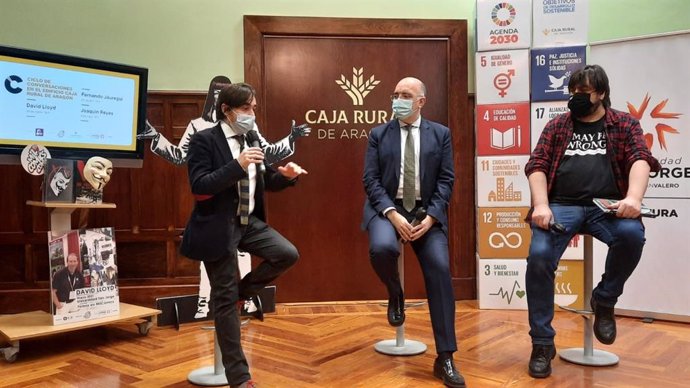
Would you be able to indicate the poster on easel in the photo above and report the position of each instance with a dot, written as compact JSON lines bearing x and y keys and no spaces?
{"x":83,"y":275}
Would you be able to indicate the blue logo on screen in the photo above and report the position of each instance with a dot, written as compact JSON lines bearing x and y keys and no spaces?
{"x":39,"y":131}
{"x":8,"y":84}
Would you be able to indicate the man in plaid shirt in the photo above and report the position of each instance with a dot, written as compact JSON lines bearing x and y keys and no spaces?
{"x":591,"y":152}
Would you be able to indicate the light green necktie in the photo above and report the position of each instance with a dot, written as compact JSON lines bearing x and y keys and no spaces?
{"x":409,"y":172}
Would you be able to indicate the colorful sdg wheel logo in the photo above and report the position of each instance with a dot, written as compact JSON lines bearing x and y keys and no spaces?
{"x":503,"y":14}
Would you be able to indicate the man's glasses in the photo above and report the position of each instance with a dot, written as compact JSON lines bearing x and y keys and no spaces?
{"x":403,"y":96}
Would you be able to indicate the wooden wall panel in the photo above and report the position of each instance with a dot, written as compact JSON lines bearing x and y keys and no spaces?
{"x":13,"y":270}
{"x":295,"y":64}
{"x":150,"y":266}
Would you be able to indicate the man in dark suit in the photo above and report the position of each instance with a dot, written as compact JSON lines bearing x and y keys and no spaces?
{"x":229,"y":214}
{"x":409,"y":164}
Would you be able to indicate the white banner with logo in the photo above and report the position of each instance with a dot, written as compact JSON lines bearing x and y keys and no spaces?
{"x":559,"y":22}
{"x":649,"y":79}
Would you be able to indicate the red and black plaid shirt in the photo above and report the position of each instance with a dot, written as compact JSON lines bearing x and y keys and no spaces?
{"x":625,"y":146}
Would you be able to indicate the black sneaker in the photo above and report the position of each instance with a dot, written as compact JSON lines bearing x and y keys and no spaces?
{"x":540,"y":360}
{"x":604,"y":323}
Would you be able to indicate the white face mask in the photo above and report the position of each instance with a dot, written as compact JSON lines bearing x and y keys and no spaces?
{"x":243,"y":124}
{"x":402,"y":108}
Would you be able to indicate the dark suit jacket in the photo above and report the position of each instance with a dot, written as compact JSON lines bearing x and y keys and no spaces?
{"x":382,"y":170}
{"x":214,"y":172}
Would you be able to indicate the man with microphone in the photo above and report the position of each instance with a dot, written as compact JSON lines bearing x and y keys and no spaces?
{"x":229,"y":214}
{"x":408,"y":166}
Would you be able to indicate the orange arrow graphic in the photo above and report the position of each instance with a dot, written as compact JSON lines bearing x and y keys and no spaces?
{"x":658,"y":114}
{"x":639,"y":113}
{"x":660,"y":130}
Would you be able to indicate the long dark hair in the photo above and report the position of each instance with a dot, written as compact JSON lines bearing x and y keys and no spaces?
{"x":217,"y":83}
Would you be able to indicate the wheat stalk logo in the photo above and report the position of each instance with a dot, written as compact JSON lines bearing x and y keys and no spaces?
{"x":358,"y":88}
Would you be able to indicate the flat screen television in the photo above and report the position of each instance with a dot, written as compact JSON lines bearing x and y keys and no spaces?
{"x":75,"y":107}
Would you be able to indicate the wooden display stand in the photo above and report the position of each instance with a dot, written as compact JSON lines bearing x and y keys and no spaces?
{"x":34,"y":324}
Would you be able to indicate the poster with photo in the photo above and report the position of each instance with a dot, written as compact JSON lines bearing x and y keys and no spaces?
{"x":83,"y":275}
{"x":58,"y":181}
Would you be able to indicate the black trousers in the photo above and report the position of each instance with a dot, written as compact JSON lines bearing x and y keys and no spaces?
{"x":278,"y":255}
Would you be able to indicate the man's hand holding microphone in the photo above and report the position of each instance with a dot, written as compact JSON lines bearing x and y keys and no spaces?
{"x":254,"y":154}
{"x":411,"y":231}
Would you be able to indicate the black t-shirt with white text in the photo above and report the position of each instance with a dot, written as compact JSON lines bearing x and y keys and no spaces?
{"x":585,"y":169}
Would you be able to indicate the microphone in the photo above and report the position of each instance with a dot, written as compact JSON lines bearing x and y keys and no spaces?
{"x":556,"y":227}
{"x":253,"y":140}
{"x":553,"y":225}
{"x":419,"y":216}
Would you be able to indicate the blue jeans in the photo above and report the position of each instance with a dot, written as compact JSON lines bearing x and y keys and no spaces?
{"x":624,"y":237}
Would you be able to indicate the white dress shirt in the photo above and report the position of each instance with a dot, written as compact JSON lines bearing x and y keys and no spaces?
{"x":251,"y":170}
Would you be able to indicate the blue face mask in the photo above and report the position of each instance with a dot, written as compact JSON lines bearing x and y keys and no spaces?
{"x":243,"y":124}
{"x":402,"y":108}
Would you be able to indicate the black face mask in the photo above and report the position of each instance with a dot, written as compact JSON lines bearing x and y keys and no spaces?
{"x":580,"y":104}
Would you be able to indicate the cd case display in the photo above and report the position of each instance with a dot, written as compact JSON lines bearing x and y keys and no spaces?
{"x":58,"y":181}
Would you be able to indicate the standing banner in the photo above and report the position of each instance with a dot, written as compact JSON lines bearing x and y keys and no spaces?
{"x":503,"y":24}
{"x":649,"y":79}
{"x":559,"y":23}
{"x":503,"y":145}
